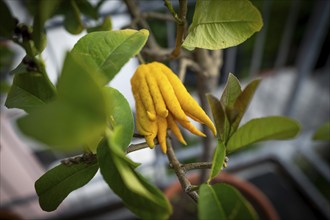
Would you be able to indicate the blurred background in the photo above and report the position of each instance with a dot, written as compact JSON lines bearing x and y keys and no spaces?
{"x":291,"y":54}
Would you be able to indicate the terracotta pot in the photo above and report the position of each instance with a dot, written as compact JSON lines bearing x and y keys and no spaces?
{"x":258,"y":200}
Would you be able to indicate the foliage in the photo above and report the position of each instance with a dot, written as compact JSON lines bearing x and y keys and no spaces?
{"x":228,"y":112}
{"x":110,"y":50}
{"x":30,"y":88}
{"x":141,"y":197}
{"x":219,"y":24}
{"x":82,"y":112}
{"x":323,"y":132}
{"x":57,"y":183}
{"x":222,"y":201}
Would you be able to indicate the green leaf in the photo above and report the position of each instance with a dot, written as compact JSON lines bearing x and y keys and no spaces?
{"x":219,"y":24}
{"x":87,"y":9}
{"x":105,"y":26}
{"x":222,"y":201}
{"x":229,"y":96}
{"x":72,"y":22}
{"x":30,"y":89}
{"x":44,"y":10}
{"x":120,"y":116}
{"x":62,"y":126}
{"x":4,"y":87}
{"x":56,"y":184}
{"x":7,"y":21}
{"x":219,"y":116}
{"x":108,"y":51}
{"x":77,"y":117}
{"x":233,"y":203}
{"x":242,"y":102}
{"x":323,"y":132}
{"x":22,"y":99}
{"x":209,"y":204}
{"x":262,"y":129}
{"x":218,"y":160}
{"x":138,"y":195}
{"x":80,"y":86}
{"x":231,"y":91}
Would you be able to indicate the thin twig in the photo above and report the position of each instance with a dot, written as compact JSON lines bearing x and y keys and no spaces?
{"x":199,"y":165}
{"x":168,"y":4}
{"x":193,"y":188}
{"x":180,"y":29}
{"x":184,"y":64}
{"x":157,"y":54}
{"x":152,"y":49}
{"x":140,"y":146}
{"x":135,"y":12}
{"x":135,"y":147}
{"x":185,"y":184}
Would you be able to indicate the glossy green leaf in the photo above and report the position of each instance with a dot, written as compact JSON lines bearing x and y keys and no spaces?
{"x":138,"y":195}
{"x":229,"y":96}
{"x":80,"y":86}
{"x":233,"y":203}
{"x":72,"y":22}
{"x":219,"y":24}
{"x":108,"y":51}
{"x":56,"y":184}
{"x":62,"y":126}
{"x":218,"y":160}
{"x":231,"y":91}
{"x":120,"y":116}
{"x":209,"y":204}
{"x":219,"y":116}
{"x":105,"y":26}
{"x":262,"y":129}
{"x":77,"y":117}
{"x":222,"y":201}
{"x":29,"y":90}
{"x":22,"y":99}
{"x":323,"y":132}
{"x":7,"y":22}
{"x":44,"y":10}
{"x":242,"y":102}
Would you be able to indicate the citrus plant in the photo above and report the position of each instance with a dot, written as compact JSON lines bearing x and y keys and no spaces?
{"x":82,"y":112}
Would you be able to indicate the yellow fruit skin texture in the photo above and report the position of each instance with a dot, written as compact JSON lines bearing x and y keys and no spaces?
{"x":162,"y":101}
{"x":188,"y":103}
{"x":175,"y":129}
{"x":156,"y":94}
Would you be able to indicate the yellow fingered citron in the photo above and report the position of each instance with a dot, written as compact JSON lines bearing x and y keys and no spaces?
{"x":188,"y":103}
{"x":162,"y":101}
{"x":172,"y":125}
{"x":156,"y":95}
